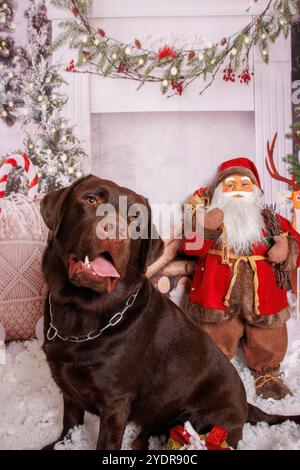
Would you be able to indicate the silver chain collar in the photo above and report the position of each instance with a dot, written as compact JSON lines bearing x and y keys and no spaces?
{"x":53,"y":331}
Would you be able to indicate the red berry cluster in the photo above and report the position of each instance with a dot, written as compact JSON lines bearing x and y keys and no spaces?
{"x":177,"y":87}
{"x":122,"y":67}
{"x":75,"y":11}
{"x":71,"y":66}
{"x":229,"y":75}
{"x":245,"y":76}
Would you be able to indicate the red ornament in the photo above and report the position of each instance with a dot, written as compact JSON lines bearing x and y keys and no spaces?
{"x":101,"y":32}
{"x":191,"y":55}
{"x":223,"y":41}
{"x":229,"y":75}
{"x":177,"y":87}
{"x":122,"y":67}
{"x":216,"y":438}
{"x":179,"y":434}
{"x":75,"y":11}
{"x":166,"y":53}
{"x":245,"y":76}
{"x":201,"y":191}
{"x":71,"y":66}
{"x":138,"y":44}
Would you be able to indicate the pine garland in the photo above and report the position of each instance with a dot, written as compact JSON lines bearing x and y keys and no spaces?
{"x":293,"y":159}
{"x":50,"y":142}
{"x":7,"y":24}
{"x":173,"y":69}
{"x":12,"y":60}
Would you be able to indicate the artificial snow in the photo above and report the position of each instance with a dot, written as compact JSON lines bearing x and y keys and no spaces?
{"x":31,"y":405}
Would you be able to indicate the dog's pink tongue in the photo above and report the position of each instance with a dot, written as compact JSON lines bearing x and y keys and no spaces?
{"x":104,"y":267}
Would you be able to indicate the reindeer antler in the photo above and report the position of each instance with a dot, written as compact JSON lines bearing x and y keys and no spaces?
{"x":272,"y":168}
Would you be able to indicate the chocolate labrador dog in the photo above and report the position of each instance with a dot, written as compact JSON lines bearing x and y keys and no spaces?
{"x":115,"y":346}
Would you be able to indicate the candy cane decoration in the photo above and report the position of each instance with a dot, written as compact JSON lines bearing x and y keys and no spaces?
{"x":23,"y":162}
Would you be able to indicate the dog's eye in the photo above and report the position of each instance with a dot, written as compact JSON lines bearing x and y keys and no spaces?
{"x":91,"y":200}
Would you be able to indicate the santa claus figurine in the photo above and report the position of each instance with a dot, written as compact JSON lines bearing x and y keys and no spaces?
{"x":239,"y":291}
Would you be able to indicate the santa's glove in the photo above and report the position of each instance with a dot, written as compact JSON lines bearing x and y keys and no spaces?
{"x":213,"y":219}
{"x":279,"y":251}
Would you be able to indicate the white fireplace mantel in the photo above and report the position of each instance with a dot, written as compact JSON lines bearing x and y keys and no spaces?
{"x":268,"y":96}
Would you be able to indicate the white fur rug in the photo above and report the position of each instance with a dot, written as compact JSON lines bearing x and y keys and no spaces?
{"x":31,"y":405}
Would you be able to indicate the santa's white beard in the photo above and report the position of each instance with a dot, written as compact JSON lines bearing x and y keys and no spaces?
{"x":243,"y":220}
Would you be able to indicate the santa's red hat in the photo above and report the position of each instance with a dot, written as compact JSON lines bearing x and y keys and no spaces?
{"x":241,"y":166}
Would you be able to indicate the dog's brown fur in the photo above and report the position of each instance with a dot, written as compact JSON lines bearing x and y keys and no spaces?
{"x":155,"y":367}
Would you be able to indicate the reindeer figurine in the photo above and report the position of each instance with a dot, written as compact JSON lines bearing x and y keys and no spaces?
{"x":294,"y":197}
{"x":273,"y":172}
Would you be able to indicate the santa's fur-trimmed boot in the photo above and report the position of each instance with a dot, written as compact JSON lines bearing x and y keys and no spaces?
{"x":270,"y":384}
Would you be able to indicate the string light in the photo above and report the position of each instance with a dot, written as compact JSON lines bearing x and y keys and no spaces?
{"x":40,"y":98}
{"x":128,"y":50}
{"x":246,"y":40}
{"x":64,"y":157}
{"x":201,"y":57}
{"x":165,"y":83}
{"x":71,"y":170}
{"x":79,"y":174}
{"x":174,"y":71}
{"x":234,"y":51}
{"x":114,"y":56}
{"x":263,"y":36}
{"x":85,"y":39}
{"x":141,"y":61}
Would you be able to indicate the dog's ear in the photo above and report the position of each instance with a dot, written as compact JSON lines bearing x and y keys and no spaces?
{"x":53,"y":205}
{"x":152,"y":246}
{"x":52,"y":208}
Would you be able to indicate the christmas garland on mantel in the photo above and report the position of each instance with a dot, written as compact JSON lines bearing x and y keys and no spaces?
{"x":173,"y":69}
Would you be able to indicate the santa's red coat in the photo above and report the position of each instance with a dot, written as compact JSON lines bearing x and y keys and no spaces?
{"x":212,"y":278}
